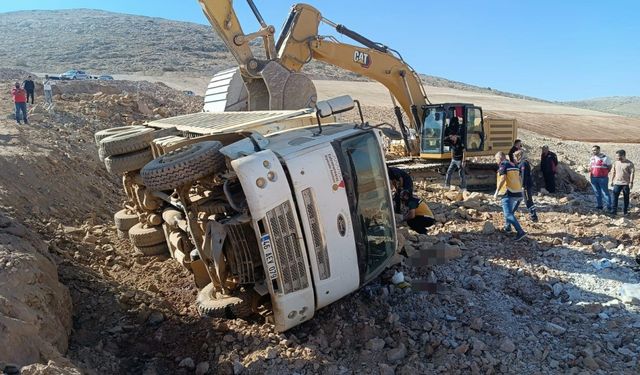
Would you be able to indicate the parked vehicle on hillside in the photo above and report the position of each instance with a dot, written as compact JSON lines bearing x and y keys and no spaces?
{"x":105,"y":77}
{"x":74,"y":75}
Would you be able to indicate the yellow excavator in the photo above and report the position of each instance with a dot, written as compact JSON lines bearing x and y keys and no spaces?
{"x":275,"y":82}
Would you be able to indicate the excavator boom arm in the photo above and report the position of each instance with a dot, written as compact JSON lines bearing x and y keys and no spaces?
{"x":300,"y":43}
{"x":402,"y":82}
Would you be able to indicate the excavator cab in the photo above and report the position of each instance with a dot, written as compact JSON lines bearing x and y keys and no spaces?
{"x":440,"y":121}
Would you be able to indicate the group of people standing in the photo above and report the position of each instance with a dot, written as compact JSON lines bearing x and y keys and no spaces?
{"x":514,"y":182}
{"x":22,"y":94}
{"x":622,"y":177}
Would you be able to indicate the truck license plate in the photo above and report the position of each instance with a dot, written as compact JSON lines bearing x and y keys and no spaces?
{"x":265,"y":240}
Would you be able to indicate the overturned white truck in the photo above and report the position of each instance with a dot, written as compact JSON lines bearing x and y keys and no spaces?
{"x":270,"y":210}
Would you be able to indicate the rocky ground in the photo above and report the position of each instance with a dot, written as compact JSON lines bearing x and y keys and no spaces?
{"x":551,"y":304}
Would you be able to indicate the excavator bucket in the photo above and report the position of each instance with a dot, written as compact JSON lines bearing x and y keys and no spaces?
{"x":276,"y":89}
{"x":226,"y":92}
{"x":287,"y":90}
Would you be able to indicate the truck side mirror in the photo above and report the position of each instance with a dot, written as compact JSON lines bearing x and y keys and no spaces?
{"x":333,"y":106}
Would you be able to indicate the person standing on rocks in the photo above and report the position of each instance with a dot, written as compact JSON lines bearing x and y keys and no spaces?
{"x":419,"y":216}
{"x":458,"y":162}
{"x":599,"y":167}
{"x":527,"y":183}
{"x":622,"y":181}
{"x":48,"y":92}
{"x":400,"y":181}
{"x":549,"y":168}
{"x":20,"y":101}
{"x":29,"y":87}
{"x":517,"y":145}
{"x":509,"y":189}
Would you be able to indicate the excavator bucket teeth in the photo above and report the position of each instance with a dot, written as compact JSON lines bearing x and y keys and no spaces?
{"x":287,"y":90}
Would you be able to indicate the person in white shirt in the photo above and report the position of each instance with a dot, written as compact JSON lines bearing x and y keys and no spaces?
{"x":48,"y":91}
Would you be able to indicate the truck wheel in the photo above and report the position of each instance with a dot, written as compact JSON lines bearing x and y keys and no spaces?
{"x":127,"y":141}
{"x":119,"y":164}
{"x":141,"y":236}
{"x":153,"y":250}
{"x":184,"y":165}
{"x":124,"y":220}
{"x":237,"y":306}
{"x":102,"y":134}
{"x":122,"y":234}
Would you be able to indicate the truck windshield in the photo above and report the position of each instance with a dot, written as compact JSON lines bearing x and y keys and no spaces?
{"x":370,"y":203}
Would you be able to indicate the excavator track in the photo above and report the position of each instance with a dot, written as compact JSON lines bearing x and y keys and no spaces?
{"x":481,"y":176}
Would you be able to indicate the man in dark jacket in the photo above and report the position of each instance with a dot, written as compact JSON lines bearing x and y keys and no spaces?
{"x":29,"y":87}
{"x":400,"y":181}
{"x":527,"y":183}
{"x":549,"y":168}
{"x":517,"y":145}
{"x":458,"y":162}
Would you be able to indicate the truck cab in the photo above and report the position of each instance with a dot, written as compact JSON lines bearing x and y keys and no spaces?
{"x":271,"y":211}
{"x":322,"y":213}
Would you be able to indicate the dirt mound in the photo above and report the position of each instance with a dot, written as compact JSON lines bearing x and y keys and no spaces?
{"x":52,"y":180}
{"x":35,"y":309}
{"x":14,"y":75}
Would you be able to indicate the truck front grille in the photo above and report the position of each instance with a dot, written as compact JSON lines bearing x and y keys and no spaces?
{"x":284,"y":237}
{"x":319,"y":246}
{"x":239,"y":254}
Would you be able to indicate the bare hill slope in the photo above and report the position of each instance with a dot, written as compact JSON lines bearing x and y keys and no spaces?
{"x":115,"y":43}
{"x":622,"y":105}
{"x":549,"y":119}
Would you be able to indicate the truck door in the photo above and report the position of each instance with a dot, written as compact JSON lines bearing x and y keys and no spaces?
{"x":475,"y":129}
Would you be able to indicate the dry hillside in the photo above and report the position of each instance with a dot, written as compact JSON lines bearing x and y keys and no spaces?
{"x":114,"y":43}
{"x":622,"y":105}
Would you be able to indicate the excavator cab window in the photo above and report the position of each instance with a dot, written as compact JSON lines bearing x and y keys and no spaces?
{"x":474,"y":129}
{"x":432,"y":130}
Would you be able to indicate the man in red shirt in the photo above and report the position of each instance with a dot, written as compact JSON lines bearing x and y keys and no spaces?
{"x":20,"y":100}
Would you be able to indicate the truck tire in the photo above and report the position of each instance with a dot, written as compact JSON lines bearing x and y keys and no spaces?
{"x":102,"y":134}
{"x":124,"y":220}
{"x":119,"y":164}
{"x":122,"y":234}
{"x":237,"y":306}
{"x":184,"y":165}
{"x":153,"y":250}
{"x":127,"y":141}
{"x":141,"y":236}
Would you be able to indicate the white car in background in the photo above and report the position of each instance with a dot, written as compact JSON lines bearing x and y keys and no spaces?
{"x":74,"y":75}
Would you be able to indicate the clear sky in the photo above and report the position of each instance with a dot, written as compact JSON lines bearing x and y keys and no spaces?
{"x":551,"y":49}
